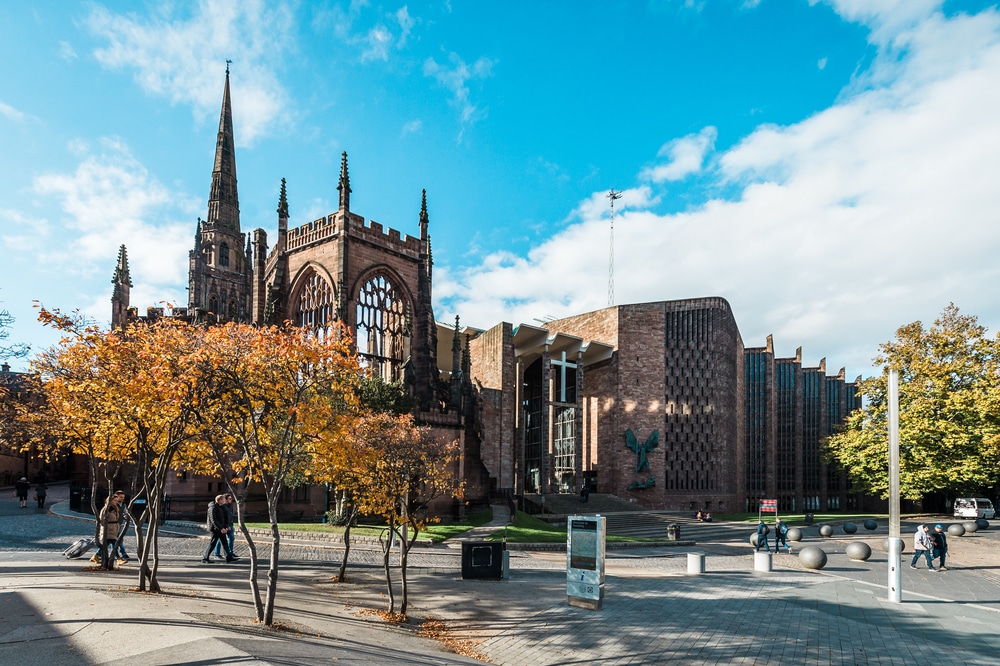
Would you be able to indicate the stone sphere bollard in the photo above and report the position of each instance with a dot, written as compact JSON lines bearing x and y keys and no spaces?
{"x":871,"y":525}
{"x":902,"y":544}
{"x":753,"y":539}
{"x":983,"y":523}
{"x":970,"y":526}
{"x":858,"y":551}
{"x":850,"y":528}
{"x":794,"y":534}
{"x":812,"y":557}
{"x":956,"y":530}
{"x":826,"y":531}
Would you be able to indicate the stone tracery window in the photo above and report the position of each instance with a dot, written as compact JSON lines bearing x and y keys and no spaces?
{"x":213,"y":304}
{"x":314,"y":307}
{"x":383,"y":328}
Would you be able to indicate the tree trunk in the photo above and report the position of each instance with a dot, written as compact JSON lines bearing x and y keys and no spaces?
{"x":386,"y":554}
{"x":352,"y":513}
{"x":403,"y":556}
{"x":258,"y":605}
{"x":272,"y":570}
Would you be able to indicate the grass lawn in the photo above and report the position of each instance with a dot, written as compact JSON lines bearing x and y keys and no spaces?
{"x":435,"y":532}
{"x":799,"y":519}
{"x":528,"y":529}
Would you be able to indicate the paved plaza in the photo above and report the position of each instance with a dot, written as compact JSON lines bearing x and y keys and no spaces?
{"x":62,"y":611}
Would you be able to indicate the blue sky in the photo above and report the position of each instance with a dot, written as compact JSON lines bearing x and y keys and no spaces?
{"x":829,"y":167}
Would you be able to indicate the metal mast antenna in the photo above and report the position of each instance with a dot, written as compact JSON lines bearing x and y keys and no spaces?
{"x":613,"y":196}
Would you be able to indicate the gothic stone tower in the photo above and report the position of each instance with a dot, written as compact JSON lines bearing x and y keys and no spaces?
{"x":375,"y":281}
{"x":220,"y":268}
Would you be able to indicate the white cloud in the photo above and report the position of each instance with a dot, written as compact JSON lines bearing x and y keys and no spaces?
{"x":685,"y":156}
{"x":821,"y":63}
{"x":377,"y":42}
{"x":109,"y":200}
{"x":66,"y":51}
{"x":875,"y":212}
{"x":413,"y":127}
{"x":9,"y":112}
{"x":183,"y":59}
{"x":456,"y":78}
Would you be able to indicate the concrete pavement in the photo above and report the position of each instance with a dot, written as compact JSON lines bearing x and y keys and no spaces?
{"x":57,"y":609}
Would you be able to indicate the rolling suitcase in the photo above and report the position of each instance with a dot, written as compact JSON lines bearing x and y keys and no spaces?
{"x":78,"y":548}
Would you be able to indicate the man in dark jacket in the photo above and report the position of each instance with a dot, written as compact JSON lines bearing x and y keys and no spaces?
{"x":21,"y":489}
{"x":940,"y":541}
{"x":219,"y":525}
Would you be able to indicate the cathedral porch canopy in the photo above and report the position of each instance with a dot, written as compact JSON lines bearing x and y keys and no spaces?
{"x":531,"y":341}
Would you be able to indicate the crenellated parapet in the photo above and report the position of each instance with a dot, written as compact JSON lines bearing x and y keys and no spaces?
{"x":356,"y":228}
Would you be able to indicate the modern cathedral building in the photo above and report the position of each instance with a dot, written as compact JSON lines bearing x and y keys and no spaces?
{"x":658,"y":403}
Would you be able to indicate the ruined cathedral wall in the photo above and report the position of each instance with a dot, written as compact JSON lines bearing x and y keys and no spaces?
{"x":494,"y":379}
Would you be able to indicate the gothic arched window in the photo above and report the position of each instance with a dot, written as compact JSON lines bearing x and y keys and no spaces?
{"x":233,"y":311}
{"x":224,"y":254}
{"x":383,"y":330}
{"x":314,"y":305}
{"x":213,"y":304}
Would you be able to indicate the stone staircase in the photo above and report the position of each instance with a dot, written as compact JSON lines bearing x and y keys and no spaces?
{"x":566,"y":504}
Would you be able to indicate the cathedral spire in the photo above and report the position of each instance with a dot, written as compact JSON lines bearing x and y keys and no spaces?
{"x":424,"y":218}
{"x":344,"y":186}
{"x":121,"y":294}
{"x":223,"y":201}
{"x":283,"y":202}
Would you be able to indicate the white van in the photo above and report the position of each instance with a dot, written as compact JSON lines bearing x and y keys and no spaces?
{"x":974,"y":507}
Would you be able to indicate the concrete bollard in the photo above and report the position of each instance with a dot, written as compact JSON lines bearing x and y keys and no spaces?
{"x":696,"y":563}
{"x":762,"y":562}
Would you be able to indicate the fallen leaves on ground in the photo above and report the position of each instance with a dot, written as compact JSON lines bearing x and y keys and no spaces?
{"x":438,"y":631}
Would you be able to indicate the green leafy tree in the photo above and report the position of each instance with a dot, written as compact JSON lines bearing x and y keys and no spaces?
{"x":949,"y":426}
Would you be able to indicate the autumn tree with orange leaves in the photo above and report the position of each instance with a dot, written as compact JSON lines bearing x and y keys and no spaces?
{"x":393,"y":469}
{"x":275,"y":399}
{"x":126,"y":395}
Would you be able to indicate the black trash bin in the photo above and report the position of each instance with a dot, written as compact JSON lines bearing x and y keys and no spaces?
{"x":75,"y":498}
{"x":673,"y":532}
{"x":809,"y":519}
{"x":482,"y":559}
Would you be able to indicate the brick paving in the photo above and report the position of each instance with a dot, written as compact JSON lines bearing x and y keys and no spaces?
{"x":653,"y":611}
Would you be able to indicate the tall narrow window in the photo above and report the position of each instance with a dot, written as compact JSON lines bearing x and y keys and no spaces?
{"x":532,"y":407}
{"x":224,"y":254}
{"x":383,"y":335}
{"x":564,"y":446}
{"x":213,"y":304}
{"x":314,"y":306}
{"x":233,"y":311}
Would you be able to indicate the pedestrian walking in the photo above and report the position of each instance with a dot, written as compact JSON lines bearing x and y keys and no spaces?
{"x":21,"y":489}
{"x":781,"y":536}
{"x":511,"y":506}
{"x":922,"y":546}
{"x":219,"y":527}
{"x":231,"y":534}
{"x":108,"y":523}
{"x":940,"y":546}
{"x":40,"y":491}
{"x":762,"y":531}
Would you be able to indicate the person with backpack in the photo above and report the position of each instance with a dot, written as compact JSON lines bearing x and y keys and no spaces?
{"x":762,"y":531}
{"x":940,"y":543}
{"x":922,"y":546}
{"x":781,"y":536}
